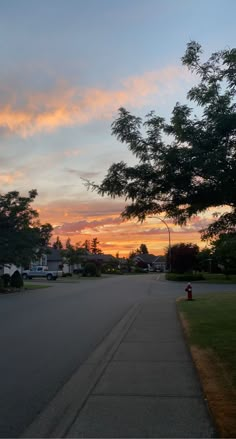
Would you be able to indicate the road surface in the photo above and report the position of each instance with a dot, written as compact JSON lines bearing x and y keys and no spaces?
{"x":45,"y":335}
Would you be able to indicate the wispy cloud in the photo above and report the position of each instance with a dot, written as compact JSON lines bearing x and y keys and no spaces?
{"x":26,"y":114}
{"x":82,"y":174}
{"x":81,"y":226}
{"x":10,"y":178}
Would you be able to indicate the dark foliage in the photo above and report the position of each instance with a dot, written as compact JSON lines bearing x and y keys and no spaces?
{"x":6,"y":278}
{"x":90,"y":269}
{"x":184,"y":257}
{"x":22,"y":237}
{"x":197,"y":169}
{"x":16,"y":280}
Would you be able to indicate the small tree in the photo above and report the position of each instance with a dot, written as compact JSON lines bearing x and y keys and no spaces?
{"x":57,"y":244}
{"x":86,"y":245}
{"x":142,"y":250}
{"x":94,"y":247}
{"x":16,"y":280}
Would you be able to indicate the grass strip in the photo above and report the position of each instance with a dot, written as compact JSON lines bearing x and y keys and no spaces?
{"x":34,"y":286}
{"x":210,"y":327}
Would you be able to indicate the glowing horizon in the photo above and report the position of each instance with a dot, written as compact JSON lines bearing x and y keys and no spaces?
{"x":65,"y":71}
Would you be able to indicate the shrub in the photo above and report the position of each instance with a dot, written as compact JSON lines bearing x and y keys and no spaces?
{"x":6,"y":278}
{"x":185,"y":277}
{"x":1,"y":285}
{"x":140,"y":270}
{"x":16,"y":280}
{"x":98,"y":273}
{"x":90,"y":269}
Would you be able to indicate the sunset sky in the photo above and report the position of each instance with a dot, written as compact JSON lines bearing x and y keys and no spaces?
{"x":66,"y":68}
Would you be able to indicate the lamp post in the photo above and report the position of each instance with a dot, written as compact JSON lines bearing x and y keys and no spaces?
{"x":169,"y":249}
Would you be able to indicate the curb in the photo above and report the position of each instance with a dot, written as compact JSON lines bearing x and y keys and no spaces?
{"x":60,"y":413}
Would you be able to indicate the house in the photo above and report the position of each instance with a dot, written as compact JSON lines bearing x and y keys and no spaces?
{"x":54,"y":259}
{"x":151,"y":262}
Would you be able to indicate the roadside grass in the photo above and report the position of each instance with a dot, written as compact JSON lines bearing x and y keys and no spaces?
{"x":210,"y":326}
{"x":203,"y":277}
{"x":29,"y":286}
{"x":220,"y":278}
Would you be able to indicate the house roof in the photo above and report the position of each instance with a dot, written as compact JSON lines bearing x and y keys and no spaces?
{"x":53,"y":254}
{"x":147,"y":258}
{"x":101,"y":257}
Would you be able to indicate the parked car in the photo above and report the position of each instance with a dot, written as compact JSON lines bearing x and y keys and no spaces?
{"x":40,"y":271}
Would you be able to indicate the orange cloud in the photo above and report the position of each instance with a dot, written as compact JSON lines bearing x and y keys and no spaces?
{"x":65,"y":106}
{"x":10,"y":178}
{"x":101,"y":218}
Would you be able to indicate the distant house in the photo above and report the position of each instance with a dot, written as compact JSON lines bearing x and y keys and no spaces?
{"x":150,"y":261}
{"x":54,"y":259}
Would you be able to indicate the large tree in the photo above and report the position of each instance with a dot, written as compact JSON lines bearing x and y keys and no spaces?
{"x":184,"y":257}
{"x":196,"y":168}
{"x":224,"y":251}
{"x":22,"y":237}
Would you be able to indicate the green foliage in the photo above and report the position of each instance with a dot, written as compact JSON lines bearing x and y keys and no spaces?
{"x":6,"y":278}
{"x":90,"y":269}
{"x":16,"y":280}
{"x":138,"y":269}
{"x":184,"y":257}
{"x":73,"y":254}
{"x":194,"y":171}
{"x":213,"y":326}
{"x":225,"y":252}
{"x":22,"y":237}
{"x":185,"y":277}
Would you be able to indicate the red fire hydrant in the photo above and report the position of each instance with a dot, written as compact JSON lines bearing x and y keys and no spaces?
{"x":188,"y":290}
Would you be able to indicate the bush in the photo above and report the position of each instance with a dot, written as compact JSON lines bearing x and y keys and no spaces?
{"x":16,"y":280}
{"x":1,"y":285}
{"x":90,"y":269}
{"x":6,"y":278}
{"x":140,"y":270}
{"x":98,"y":273}
{"x":185,"y":277}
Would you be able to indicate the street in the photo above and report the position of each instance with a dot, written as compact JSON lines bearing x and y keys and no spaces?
{"x":45,"y":335}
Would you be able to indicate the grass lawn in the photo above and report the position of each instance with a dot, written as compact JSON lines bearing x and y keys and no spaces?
{"x":210,"y":325}
{"x":221,"y":278}
{"x":210,"y":278}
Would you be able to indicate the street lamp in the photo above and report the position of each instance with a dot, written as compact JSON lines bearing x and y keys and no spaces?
{"x":169,"y":249}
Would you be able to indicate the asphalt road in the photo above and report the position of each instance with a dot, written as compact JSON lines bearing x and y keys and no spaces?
{"x":45,"y":335}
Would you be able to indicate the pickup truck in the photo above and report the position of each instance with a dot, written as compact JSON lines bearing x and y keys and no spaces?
{"x":40,"y":271}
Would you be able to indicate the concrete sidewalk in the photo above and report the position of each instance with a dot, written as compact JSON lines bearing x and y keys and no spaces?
{"x":149,"y":387}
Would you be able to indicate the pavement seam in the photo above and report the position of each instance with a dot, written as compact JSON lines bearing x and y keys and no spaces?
{"x":61,"y":412}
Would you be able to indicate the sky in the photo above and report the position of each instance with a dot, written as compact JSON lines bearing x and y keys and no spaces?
{"x":66,"y":68}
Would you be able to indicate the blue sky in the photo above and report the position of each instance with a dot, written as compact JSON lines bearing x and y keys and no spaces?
{"x":66,"y":67}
